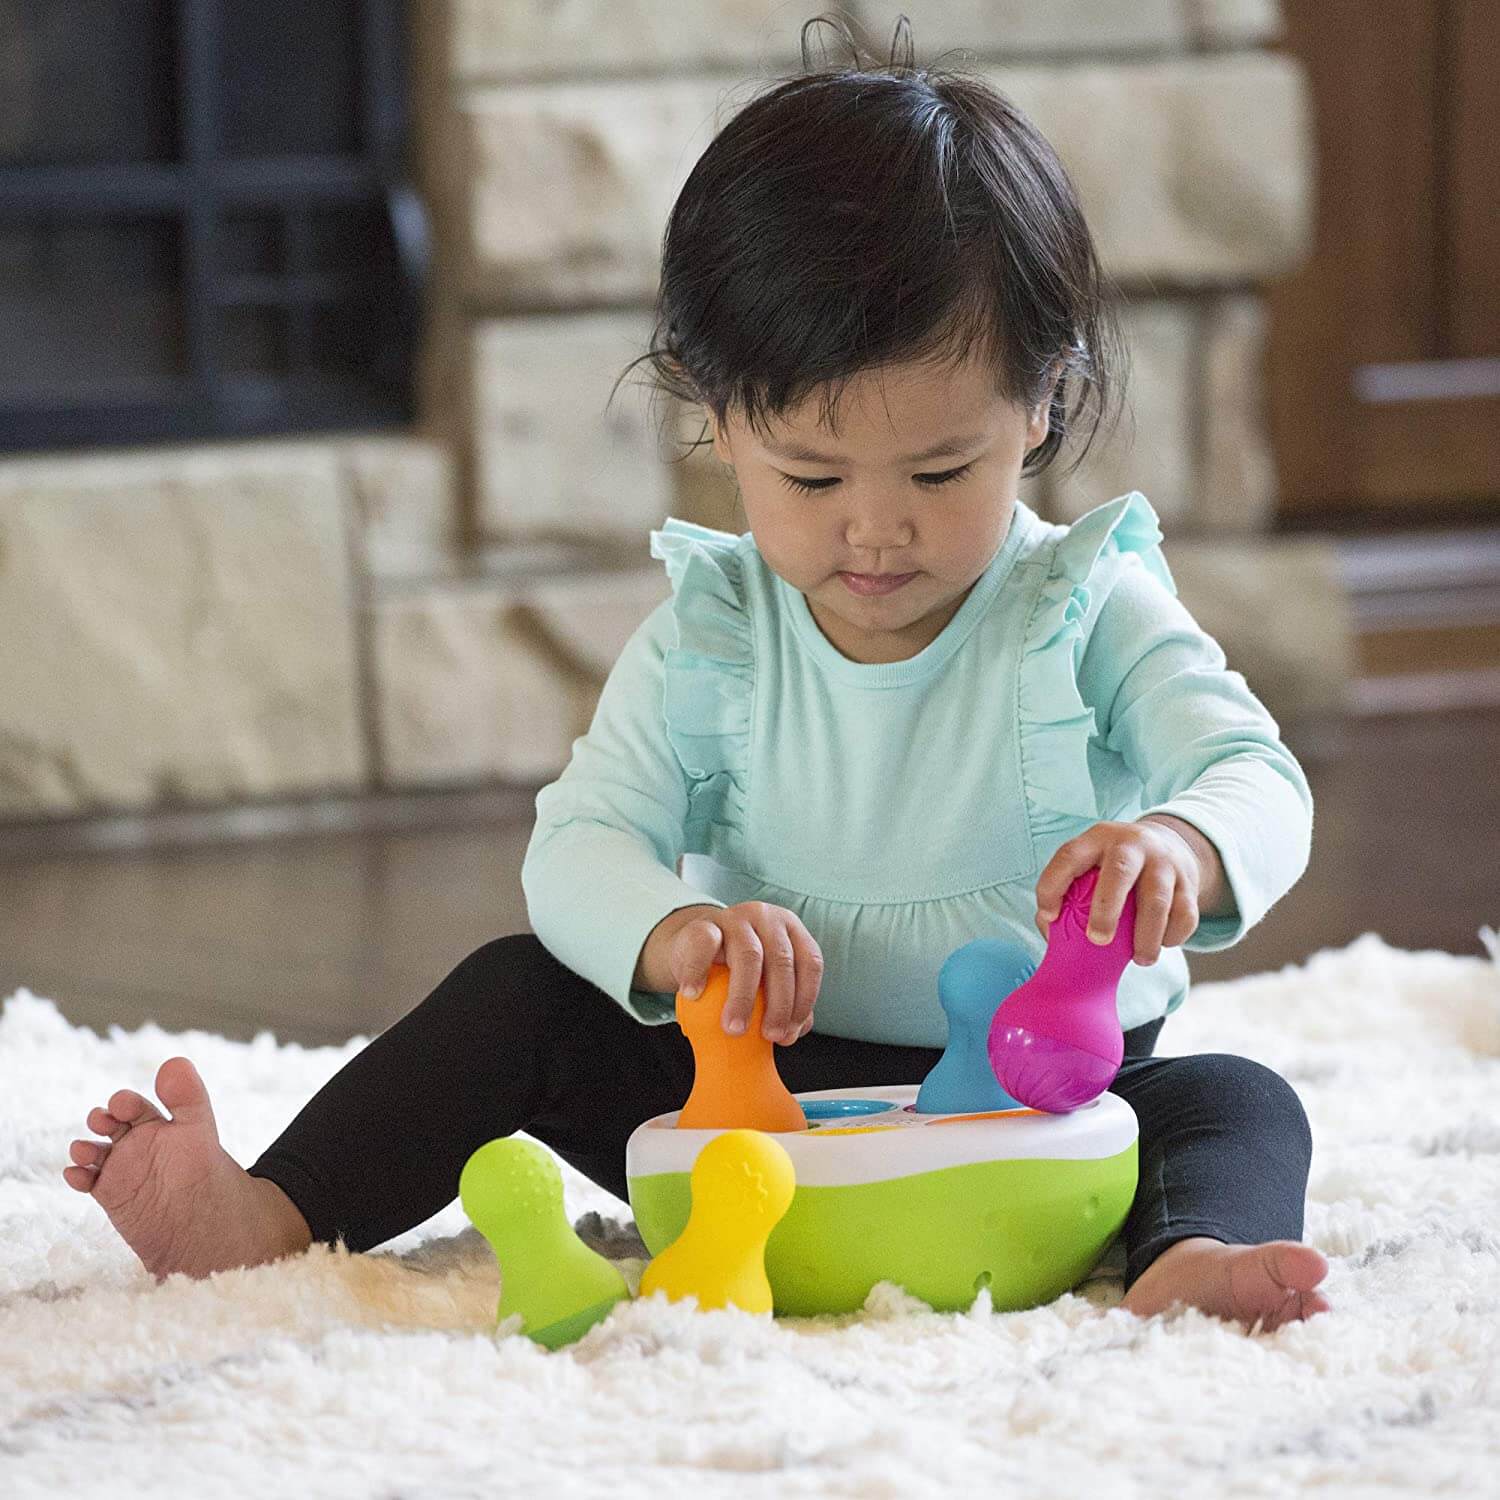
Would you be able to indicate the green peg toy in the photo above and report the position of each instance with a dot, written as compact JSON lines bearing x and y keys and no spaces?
{"x":513,"y":1194}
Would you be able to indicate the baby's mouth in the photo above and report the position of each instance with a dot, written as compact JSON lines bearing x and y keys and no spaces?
{"x":868,"y":585}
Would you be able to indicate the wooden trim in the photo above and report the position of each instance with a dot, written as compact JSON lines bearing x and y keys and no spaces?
{"x":1426,"y":649}
{"x":1471,"y":206}
{"x":1430,"y":450}
{"x":1438,"y":692}
{"x":1404,"y":266}
{"x":1425,"y":611}
{"x":154,"y":828}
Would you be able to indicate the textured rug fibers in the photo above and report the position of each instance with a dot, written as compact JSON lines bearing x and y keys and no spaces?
{"x":383,"y":1375}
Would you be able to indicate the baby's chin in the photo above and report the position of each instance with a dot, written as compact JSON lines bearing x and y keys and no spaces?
{"x":887,"y":632}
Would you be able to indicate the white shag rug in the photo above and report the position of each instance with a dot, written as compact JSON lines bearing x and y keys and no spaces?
{"x":382,"y":1375}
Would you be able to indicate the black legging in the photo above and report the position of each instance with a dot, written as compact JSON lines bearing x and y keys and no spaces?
{"x":513,"y":1040}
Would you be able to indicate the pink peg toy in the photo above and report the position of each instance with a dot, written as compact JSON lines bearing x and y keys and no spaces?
{"x":1055,"y":1042}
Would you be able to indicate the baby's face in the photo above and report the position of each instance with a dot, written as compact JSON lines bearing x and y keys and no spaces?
{"x":874,"y":506}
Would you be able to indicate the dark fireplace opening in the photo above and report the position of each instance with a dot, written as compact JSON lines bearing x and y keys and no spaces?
{"x":207,"y":225}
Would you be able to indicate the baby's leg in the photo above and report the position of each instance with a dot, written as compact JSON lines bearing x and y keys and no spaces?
{"x":1217,"y":1218}
{"x":510,"y":1040}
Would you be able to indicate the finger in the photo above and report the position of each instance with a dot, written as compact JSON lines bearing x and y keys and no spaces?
{"x":802,"y":1030}
{"x":1153,"y":906}
{"x":1057,"y":876}
{"x":1065,"y":866}
{"x":694,"y":951}
{"x":779,"y":975}
{"x":1183,"y":922}
{"x":1117,"y":874}
{"x":809,"y":976}
{"x":88,"y":1153}
{"x":742,"y":945}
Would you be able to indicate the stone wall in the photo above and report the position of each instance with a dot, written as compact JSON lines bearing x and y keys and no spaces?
{"x":242,"y":621}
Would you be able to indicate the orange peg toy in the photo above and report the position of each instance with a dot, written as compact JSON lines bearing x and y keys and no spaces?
{"x":735,"y":1082}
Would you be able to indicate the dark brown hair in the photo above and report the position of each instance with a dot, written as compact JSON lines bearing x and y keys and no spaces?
{"x":874,"y":214}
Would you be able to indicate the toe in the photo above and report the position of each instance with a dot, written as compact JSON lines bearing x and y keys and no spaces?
{"x":101,"y":1122}
{"x":130,"y":1108}
{"x":181,"y":1089}
{"x":88,"y":1153}
{"x":80,"y":1178}
{"x":1296,"y":1266}
{"x":1298,"y":1307}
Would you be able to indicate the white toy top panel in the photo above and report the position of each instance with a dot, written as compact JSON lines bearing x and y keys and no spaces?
{"x":886,"y":1138}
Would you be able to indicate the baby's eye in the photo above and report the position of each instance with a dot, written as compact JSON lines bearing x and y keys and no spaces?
{"x":792,"y":482}
{"x":932,"y":481}
{"x":946,"y":478}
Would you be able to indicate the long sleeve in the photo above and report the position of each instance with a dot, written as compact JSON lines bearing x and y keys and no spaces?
{"x":1205,"y":749}
{"x":600,"y":869}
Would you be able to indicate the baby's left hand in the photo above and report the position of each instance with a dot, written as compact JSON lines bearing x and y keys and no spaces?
{"x":1150,"y":856}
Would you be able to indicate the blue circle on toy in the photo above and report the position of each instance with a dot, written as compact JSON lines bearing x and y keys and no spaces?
{"x":840,"y":1109}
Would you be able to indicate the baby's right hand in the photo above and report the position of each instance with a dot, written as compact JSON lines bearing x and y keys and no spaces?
{"x":747,"y":937}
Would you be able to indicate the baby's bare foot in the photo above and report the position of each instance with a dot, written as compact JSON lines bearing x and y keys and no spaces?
{"x":1272,"y":1283}
{"x":178,"y":1199}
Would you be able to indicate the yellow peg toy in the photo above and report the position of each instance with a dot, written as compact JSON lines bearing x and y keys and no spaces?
{"x":742,"y":1184}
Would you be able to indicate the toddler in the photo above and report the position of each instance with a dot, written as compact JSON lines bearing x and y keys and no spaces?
{"x":899,"y":712}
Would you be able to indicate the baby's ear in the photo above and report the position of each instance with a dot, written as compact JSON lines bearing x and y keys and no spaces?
{"x":1040,"y":421}
{"x":721,"y":438}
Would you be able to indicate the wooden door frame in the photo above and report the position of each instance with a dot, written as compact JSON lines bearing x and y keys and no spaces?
{"x":1363,"y":416}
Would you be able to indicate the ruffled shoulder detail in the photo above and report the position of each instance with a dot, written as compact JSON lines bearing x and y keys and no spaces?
{"x":709,"y":677}
{"x":1056,"y":726}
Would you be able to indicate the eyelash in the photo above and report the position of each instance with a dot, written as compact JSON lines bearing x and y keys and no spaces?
{"x":793,"y":482}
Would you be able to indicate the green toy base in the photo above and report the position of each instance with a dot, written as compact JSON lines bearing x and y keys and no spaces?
{"x":566,"y":1330}
{"x":1046,"y":1224}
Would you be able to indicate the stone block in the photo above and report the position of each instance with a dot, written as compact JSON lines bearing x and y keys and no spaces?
{"x":1193,"y":171}
{"x":1150,"y":448}
{"x":404,"y":502}
{"x":554,"y":454}
{"x":1234,"y":23}
{"x":1002,"y":28}
{"x":1281,"y":612}
{"x":491,"y":40}
{"x":570,"y":185}
{"x":496,"y":677}
{"x":498,"y":39}
{"x":177,"y":629}
{"x":1236,"y":490}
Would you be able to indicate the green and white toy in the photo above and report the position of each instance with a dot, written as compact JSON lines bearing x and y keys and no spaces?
{"x":1019,"y":1201}
{"x":1010,"y":1169}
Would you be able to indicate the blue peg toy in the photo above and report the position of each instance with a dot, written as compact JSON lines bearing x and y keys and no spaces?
{"x":972,"y":982}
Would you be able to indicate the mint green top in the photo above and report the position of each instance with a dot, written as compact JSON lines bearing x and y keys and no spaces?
{"x":901,"y":809}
